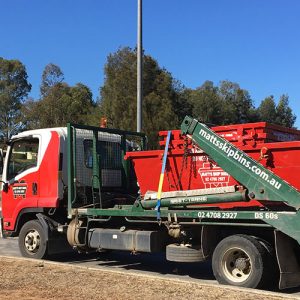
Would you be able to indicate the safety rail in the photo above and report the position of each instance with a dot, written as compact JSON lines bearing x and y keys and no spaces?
{"x":96,"y":162}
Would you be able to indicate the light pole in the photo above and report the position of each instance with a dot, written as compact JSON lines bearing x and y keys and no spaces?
{"x":139,"y":69}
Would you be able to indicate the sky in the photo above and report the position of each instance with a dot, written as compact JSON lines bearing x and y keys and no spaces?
{"x":255,"y":43}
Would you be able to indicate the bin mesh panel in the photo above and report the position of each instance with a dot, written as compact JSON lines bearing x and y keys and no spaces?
{"x":109,"y":152}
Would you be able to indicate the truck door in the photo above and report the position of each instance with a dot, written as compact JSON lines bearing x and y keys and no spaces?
{"x":22,"y":178}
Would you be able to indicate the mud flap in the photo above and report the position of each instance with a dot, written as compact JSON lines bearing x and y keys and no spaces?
{"x":288,"y":257}
{"x":209,"y":240}
{"x":56,"y":241}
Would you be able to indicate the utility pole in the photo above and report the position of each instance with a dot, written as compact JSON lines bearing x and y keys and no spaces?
{"x":139,"y":69}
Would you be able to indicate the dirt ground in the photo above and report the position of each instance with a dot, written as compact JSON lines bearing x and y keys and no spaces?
{"x":32,"y":280}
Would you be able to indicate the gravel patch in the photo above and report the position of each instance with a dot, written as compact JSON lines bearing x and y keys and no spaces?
{"x":32,"y":279}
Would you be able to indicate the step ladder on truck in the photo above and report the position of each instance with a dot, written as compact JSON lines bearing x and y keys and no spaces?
{"x":205,"y":196}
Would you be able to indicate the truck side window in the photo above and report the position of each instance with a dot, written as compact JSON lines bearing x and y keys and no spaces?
{"x":23,"y":156}
{"x":110,"y":153}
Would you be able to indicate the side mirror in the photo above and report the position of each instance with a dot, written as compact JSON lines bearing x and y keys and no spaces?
{"x":4,"y":187}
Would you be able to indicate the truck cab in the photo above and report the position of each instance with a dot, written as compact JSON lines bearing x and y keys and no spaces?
{"x":32,"y":175}
{"x":36,"y":180}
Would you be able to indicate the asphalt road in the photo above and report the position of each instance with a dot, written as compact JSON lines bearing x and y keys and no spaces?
{"x":154,"y":264}
{"x":151,"y":264}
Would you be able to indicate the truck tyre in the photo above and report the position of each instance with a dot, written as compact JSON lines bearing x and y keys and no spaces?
{"x":271,"y":266}
{"x":32,"y":240}
{"x":184,"y":253}
{"x":241,"y":260}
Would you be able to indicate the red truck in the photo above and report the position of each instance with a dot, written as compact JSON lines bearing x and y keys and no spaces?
{"x":229,"y":194}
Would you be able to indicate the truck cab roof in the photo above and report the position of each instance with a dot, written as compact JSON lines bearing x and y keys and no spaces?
{"x":62,"y":132}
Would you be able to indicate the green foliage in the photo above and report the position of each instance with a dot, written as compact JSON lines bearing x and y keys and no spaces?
{"x":65,"y":104}
{"x":165,"y":100}
{"x":30,"y":112}
{"x":220,"y":105}
{"x":206,"y":103}
{"x":285,"y":116}
{"x":230,"y":104}
{"x":281,"y":114}
{"x":267,"y":110}
{"x":60,"y":103}
{"x":118,"y":95}
{"x":14,"y":87}
{"x":51,"y":76}
{"x":181,"y":102}
{"x":236,"y":102}
{"x":119,"y":90}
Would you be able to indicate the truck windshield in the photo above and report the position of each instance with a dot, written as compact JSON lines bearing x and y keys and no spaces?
{"x":23,"y":156}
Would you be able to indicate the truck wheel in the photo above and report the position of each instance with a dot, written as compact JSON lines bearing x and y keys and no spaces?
{"x":271,"y":266}
{"x":32,"y":240}
{"x":240,"y":260}
{"x":184,"y":253}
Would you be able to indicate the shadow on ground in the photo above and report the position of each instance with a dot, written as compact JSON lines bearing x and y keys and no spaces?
{"x":145,"y":262}
{"x":149,"y":263}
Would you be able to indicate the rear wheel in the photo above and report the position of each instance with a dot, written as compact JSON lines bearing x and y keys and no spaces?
{"x":32,"y":240}
{"x":241,"y":260}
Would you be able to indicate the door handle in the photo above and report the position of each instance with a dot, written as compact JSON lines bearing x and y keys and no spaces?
{"x":34,"y":188}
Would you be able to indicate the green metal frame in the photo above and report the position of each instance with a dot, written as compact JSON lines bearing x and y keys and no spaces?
{"x":96,"y":180}
{"x":259,"y":188}
{"x":287,"y":222}
{"x":263,"y":186}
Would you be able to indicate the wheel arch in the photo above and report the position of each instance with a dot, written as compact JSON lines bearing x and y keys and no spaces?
{"x":25,"y":215}
{"x":212,"y":235}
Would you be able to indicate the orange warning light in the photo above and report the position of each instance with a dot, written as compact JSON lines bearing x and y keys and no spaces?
{"x":103,"y":122}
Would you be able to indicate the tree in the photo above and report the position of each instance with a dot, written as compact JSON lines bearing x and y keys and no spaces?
{"x":119,"y":90}
{"x":118,"y":95}
{"x":267,"y":110}
{"x":237,"y":103}
{"x":30,"y":111}
{"x":61,"y":105}
{"x":223,"y":104}
{"x":206,"y":102}
{"x":51,"y":76}
{"x":280,"y":114}
{"x":181,"y":103}
{"x":285,"y":115}
{"x":81,"y":105}
{"x":14,"y":87}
